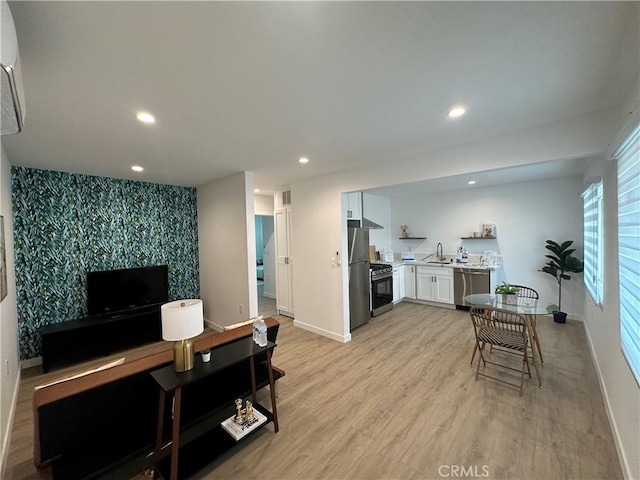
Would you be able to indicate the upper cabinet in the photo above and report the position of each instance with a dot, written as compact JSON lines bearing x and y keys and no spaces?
{"x":354,"y":206}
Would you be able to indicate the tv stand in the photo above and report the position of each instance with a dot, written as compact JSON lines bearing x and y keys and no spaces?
{"x":98,"y":335}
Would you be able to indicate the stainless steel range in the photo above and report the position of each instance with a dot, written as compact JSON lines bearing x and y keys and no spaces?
{"x":381,"y":288}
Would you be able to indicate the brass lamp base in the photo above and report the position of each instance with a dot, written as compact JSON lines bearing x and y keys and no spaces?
{"x":182,"y":355}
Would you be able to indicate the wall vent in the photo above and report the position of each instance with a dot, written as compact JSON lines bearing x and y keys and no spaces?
{"x":286,"y":197}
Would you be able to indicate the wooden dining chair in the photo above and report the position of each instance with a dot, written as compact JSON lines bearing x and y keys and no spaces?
{"x":528,"y":292}
{"x":507,"y":330}
{"x":523,"y":291}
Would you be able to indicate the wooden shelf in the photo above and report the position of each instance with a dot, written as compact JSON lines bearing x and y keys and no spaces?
{"x":478,"y":238}
{"x":212,"y":442}
{"x":413,"y":238}
{"x":200,"y":441}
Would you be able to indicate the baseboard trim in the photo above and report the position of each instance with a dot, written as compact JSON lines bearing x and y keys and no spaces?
{"x":31,"y":362}
{"x":577,"y":317}
{"x":322,"y":331}
{"x":624,"y":464}
{"x":7,"y":438}
{"x":427,"y":302}
{"x":215,"y":326}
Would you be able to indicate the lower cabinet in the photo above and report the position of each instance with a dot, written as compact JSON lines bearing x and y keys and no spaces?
{"x":396,"y":284}
{"x":410,"y":282}
{"x":435,"y":284}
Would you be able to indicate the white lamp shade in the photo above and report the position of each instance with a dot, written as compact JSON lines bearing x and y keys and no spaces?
{"x":182,"y":319}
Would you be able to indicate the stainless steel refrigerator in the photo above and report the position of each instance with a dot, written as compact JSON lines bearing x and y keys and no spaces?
{"x":359,"y":279}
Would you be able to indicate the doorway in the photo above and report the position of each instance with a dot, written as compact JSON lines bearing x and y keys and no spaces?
{"x":265,"y":265}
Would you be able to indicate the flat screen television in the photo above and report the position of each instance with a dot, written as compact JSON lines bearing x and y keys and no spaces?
{"x":112,"y":291}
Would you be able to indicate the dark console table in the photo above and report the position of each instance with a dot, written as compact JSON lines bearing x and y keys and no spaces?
{"x":201,"y":439}
{"x":99,"y":335}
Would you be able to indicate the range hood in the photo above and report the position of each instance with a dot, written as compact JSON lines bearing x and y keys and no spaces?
{"x":366,"y":223}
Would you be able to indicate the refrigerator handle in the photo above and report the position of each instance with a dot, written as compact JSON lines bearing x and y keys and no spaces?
{"x":353,"y":244}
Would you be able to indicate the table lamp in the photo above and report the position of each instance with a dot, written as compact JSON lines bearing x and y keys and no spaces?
{"x":181,"y":321}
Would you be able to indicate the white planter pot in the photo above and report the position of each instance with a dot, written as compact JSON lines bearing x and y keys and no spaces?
{"x":206,"y":357}
{"x":509,"y":299}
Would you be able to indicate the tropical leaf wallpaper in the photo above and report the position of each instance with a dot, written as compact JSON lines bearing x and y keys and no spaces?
{"x":66,"y":225}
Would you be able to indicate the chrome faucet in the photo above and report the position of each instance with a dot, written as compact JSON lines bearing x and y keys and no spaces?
{"x":439,"y":248}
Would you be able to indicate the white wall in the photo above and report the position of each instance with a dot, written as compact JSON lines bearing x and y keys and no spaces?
{"x":10,"y":376}
{"x":525,"y":214}
{"x":263,"y":204}
{"x":226,"y":241}
{"x":378,"y":210}
{"x":621,"y":392}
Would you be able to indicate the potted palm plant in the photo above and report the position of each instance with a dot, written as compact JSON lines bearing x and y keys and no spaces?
{"x":508,"y":292}
{"x":561,"y":263}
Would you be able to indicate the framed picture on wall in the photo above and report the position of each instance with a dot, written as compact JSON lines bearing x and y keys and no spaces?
{"x":3,"y":262}
{"x":489,"y":230}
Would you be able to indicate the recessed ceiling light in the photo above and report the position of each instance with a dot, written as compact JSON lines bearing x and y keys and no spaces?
{"x":145,"y":117}
{"x":471,"y":182}
{"x":137,"y":168}
{"x":256,"y":190}
{"x":303,"y":160}
{"x":456,"y":111}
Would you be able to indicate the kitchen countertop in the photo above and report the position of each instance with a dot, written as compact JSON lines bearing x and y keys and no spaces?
{"x":475,"y":266}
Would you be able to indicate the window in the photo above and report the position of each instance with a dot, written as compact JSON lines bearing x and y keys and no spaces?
{"x":628,"y":156}
{"x":593,"y":234}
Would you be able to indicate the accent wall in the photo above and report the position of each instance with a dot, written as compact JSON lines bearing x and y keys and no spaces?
{"x":66,"y":225}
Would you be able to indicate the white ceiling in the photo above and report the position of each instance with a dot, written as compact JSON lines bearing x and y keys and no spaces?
{"x":487,"y":178}
{"x":253,"y":86}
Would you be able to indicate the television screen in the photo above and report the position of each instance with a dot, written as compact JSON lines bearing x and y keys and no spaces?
{"x":116,"y":290}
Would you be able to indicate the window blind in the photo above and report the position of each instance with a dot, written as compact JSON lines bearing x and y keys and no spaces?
{"x":593,"y":240}
{"x":628,"y":156}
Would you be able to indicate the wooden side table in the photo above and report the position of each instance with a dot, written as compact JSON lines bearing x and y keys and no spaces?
{"x":200,"y":443}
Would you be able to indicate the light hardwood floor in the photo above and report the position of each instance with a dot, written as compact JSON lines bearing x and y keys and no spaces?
{"x":400,"y":402}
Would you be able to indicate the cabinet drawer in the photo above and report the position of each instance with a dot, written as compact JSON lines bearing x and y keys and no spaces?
{"x":437,"y":271}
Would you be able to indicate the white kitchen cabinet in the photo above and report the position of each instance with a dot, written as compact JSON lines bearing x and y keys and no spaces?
{"x":397,"y":296}
{"x":354,"y":206}
{"x":284,"y":261}
{"x":401,"y":283}
{"x":410,"y":282}
{"x":434,"y":284}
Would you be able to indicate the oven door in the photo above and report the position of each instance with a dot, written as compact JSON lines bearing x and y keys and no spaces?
{"x":381,"y":295}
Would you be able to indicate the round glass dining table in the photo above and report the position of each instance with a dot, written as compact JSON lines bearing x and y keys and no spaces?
{"x":524,"y":306}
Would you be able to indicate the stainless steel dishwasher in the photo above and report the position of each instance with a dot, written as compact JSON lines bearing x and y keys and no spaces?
{"x":467,"y":281}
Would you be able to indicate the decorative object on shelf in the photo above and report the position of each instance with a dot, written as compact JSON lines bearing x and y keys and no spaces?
{"x":404,"y":229}
{"x":206,"y":355}
{"x":489,"y":230}
{"x":239,"y":418}
{"x":509,"y":293}
{"x":559,"y":265}
{"x":249,"y":410}
{"x":181,"y":321}
{"x":477,"y":234}
{"x":239,"y":430}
